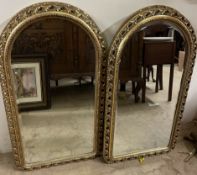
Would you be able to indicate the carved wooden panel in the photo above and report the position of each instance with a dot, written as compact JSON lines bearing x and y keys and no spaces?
{"x":69,"y":48}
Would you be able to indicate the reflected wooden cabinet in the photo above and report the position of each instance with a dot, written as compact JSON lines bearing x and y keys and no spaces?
{"x":131,"y":65}
{"x":70,"y":49}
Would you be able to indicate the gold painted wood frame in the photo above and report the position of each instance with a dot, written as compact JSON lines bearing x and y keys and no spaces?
{"x":131,"y":25}
{"x":21,"y":20}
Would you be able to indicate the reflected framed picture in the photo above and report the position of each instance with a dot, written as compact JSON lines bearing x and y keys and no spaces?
{"x":31,"y":81}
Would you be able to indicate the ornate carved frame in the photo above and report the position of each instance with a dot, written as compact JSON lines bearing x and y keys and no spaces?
{"x":21,"y":20}
{"x":131,"y":25}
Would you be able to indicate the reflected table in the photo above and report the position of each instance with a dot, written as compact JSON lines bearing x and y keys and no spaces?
{"x":158,"y":52}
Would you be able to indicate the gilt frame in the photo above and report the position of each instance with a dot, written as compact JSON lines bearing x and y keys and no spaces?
{"x":21,"y":20}
{"x":133,"y":23}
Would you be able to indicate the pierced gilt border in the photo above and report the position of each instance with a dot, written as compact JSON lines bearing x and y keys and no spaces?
{"x":9,"y":34}
{"x":132,"y":24}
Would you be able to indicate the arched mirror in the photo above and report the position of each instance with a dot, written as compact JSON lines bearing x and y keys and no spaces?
{"x":149,"y":70}
{"x":52,"y":64}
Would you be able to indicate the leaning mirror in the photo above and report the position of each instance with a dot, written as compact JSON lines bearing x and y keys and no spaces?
{"x":52,"y":64}
{"x":149,"y":69}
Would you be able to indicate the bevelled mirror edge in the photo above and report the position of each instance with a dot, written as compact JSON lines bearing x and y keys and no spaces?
{"x":9,"y":34}
{"x":132,"y":24}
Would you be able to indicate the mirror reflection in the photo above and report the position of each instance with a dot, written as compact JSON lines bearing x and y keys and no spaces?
{"x":53,"y":66}
{"x":150,"y":73}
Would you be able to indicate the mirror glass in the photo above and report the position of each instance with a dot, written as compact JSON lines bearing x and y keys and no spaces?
{"x":53,"y":68}
{"x":150,"y":72}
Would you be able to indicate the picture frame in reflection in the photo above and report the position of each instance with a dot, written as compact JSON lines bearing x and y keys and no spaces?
{"x":31,"y":81}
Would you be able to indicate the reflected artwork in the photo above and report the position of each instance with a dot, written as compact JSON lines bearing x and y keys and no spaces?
{"x":26,"y":79}
{"x":25,"y":82}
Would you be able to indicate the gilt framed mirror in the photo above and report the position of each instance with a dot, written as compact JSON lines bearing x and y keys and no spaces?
{"x":148,"y":78}
{"x":71,"y":127}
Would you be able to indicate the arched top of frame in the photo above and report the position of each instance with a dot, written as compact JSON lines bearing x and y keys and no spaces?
{"x":50,"y":9}
{"x":148,"y":15}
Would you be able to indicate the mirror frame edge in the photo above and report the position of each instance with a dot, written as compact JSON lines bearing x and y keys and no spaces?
{"x":132,"y":24}
{"x":7,"y":37}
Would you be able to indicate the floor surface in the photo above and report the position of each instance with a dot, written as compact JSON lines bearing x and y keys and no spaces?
{"x":145,"y":126}
{"x":64,"y":130}
{"x":166,"y":164}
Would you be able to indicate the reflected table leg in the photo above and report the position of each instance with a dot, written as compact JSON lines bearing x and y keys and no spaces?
{"x":171,"y":82}
{"x":144,"y":85}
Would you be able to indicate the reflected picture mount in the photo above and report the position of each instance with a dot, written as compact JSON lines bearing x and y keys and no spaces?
{"x":31,"y":81}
